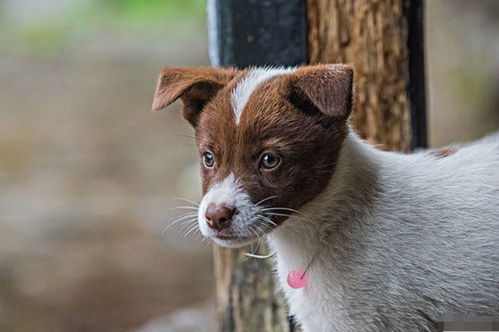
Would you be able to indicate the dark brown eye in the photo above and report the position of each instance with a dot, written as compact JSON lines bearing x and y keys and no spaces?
{"x":269,"y":160}
{"x":208,"y":159}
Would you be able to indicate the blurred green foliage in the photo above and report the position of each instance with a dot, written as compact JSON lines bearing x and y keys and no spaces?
{"x":43,"y":38}
{"x":56,"y":29}
{"x":152,"y":10}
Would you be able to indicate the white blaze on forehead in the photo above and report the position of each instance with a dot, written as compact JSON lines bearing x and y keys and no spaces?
{"x":245,"y":88}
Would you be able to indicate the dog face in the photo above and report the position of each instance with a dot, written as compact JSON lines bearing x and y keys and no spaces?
{"x":268,"y":140}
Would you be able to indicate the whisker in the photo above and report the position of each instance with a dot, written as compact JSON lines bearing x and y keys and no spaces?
{"x":264,"y":218}
{"x":185,"y":207}
{"x":250,"y":228}
{"x":279,"y":208}
{"x":286,"y":209}
{"x":278,"y":214}
{"x":267,"y":226}
{"x":186,"y":200}
{"x":259,"y":256}
{"x":188,"y":223}
{"x":299,"y":216}
{"x":260,"y":230}
{"x":179,"y":219}
{"x":257,"y":246}
{"x":265,"y":199}
{"x":182,"y":217}
{"x":190,"y":230}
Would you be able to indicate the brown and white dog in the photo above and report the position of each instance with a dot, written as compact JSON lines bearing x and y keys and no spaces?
{"x":396,"y":240}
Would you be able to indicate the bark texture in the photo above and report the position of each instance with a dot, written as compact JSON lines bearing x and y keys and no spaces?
{"x":372,"y":36}
{"x":247,"y":299}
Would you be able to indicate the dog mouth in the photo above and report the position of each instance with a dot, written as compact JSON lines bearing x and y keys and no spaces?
{"x":241,"y":236}
{"x":237,"y":222}
{"x":231,"y":237}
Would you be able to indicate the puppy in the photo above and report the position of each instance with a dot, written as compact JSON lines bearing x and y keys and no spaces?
{"x":380,"y":241}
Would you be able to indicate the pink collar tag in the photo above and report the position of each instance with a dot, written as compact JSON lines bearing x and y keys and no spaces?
{"x":297,"y":278}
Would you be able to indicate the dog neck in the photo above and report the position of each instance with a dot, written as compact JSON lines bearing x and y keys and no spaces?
{"x":319,"y":228}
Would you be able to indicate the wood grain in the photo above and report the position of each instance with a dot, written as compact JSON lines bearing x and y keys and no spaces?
{"x":372,"y":36}
{"x":247,"y":299}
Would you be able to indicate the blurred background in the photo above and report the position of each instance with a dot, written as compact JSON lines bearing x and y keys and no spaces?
{"x":88,"y":176}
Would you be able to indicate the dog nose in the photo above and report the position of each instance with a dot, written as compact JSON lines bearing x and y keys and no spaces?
{"x":219,"y":216}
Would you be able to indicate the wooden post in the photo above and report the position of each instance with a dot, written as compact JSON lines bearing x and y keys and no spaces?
{"x":382,"y":39}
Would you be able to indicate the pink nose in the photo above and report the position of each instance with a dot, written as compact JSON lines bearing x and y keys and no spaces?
{"x":219,"y":216}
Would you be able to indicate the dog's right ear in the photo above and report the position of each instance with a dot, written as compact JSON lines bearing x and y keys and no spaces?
{"x":195,"y":86}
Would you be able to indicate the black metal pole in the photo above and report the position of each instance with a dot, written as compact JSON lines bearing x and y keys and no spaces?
{"x":257,"y":32}
{"x":417,"y":92}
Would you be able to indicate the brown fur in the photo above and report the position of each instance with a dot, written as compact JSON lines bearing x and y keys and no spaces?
{"x":300,"y":116}
{"x":445,"y":152}
{"x":194,"y":86}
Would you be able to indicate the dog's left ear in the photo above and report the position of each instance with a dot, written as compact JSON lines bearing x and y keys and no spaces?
{"x":327,"y":89}
{"x":194,"y":86}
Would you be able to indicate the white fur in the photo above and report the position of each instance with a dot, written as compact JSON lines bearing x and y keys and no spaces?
{"x":230,"y":193}
{"x":400,"y":239}
{"x":245,"y":88}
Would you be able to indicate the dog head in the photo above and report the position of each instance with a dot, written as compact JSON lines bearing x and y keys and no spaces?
{"x":268,"y":140}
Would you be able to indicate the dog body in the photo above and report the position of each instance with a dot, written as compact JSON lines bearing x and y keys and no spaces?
{"x":400,"y":241}
{"x":392,"y":241}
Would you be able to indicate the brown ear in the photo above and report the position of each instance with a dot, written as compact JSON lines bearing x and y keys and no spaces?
{"x":323,"y":88}
{"x":195,"y":86}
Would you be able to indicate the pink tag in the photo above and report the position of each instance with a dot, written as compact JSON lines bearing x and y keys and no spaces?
{"x":297,"y":279}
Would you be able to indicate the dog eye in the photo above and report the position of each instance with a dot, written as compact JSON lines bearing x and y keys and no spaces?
{"x":269,"y":160}
{"x":208,"y":159}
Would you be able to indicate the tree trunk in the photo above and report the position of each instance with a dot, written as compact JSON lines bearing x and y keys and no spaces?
{"x":373,"y":36}
{"x":382,"y":39}
{"x":247,"y":299}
